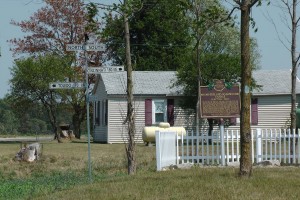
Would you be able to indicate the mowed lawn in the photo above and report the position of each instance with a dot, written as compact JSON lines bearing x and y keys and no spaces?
{"x":62,"y":173}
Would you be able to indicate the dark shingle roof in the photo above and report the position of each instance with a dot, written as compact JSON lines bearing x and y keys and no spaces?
{"x":145,"y":83}
{"x":273,"y":82}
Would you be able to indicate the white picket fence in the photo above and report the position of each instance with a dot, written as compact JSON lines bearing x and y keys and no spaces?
{"x":267,"y":144}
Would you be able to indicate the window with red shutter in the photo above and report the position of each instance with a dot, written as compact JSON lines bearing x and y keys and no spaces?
{"x":170,"y":111}
{"x":233,"y":121}
{"x":148,"y":112}
{"x":254,"y":111}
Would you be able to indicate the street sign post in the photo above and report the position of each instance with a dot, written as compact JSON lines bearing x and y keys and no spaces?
{"x":88,"y":47}
{"x":108,"y":69}
{"x":66,"y":85}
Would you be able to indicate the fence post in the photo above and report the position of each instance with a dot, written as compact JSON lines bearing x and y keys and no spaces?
{"x":222,"y":142}
{"x":158,"y":150}
{"x":258,"y":145}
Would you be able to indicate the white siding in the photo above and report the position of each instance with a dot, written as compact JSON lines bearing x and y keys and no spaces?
{"x":117,"y":110}
{"x":274,"y":111}
{"x":185,"y":118}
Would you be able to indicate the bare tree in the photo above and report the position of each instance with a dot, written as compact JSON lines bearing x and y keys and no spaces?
{"x":125,"y":9}
{"x":204,"y":16}
{"x":289,"y":7}
{"x":130,"y":146}
{"x":292,"y":22}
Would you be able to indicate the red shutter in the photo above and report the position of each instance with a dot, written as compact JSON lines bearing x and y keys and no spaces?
{"x":170,"y":111}
{"x":233,"y":121}
{"x":254,"y":111}
{"x":148,"y":112}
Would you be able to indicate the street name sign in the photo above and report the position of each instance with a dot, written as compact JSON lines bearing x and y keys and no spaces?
{"x":75,"y":47}
{"x":88,"y":47}
{"x":108,"y":69}
{"x":66,"y":85}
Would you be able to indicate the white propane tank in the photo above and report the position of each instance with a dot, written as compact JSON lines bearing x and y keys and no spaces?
{"x":148,"y":133}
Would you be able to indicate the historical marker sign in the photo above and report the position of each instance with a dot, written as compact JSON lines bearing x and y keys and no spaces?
{"x":89,"y":47}
{"x":66,"y":85}
{"x":219,"y":100}
{"x":99,"y":70}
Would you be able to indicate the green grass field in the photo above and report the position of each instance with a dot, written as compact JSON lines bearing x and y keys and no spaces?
{"x":62,"y":173}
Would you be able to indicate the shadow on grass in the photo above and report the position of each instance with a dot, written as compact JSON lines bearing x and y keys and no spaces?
{"x":11,"y":142}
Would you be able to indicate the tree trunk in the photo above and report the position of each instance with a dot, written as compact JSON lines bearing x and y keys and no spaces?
{"x":51,"y":110}
{"x":294,"y":73}
{"x":211,"y":128}
{"x":130,"y":146}
{"x":76,"y":125}
{"x":57,"y":135}
{"x":77,"y":118}
{"x":245,"y":128}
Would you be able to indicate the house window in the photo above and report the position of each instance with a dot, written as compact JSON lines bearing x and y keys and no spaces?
{"x":101,"y":111}
{"x":104,"y":112}
{"x":159,"y":111}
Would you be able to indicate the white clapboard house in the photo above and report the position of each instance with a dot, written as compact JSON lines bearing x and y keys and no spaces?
{"x":155,"y":100}
{"x":271,"y":106}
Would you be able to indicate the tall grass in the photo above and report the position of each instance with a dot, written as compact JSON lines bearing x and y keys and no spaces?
{"x":61,"y":173}
{"x":195,"y":183}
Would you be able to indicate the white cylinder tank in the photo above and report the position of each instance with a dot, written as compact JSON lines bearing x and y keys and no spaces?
{"x":148,"y":133}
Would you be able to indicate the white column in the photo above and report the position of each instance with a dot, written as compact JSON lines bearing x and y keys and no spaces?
{"x":258,"y":145}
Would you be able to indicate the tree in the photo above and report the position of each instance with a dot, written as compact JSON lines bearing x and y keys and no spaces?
{"x":289,"y":7}
{"x":159,"y":35}
{"x":289,"y":10}
{"x":211,"y":50}
{"x":49,"y":30}
{"x":125,"y":10}
{"x":8,"y":120}
{"x":246,"y":84}
{"x":215,"y":42}
{"x":30,"y":84}
{"x":220,"y":59}
{"x":203,"y":16}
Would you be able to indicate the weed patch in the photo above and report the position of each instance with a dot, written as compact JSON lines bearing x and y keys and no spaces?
{"x":26,"y":188}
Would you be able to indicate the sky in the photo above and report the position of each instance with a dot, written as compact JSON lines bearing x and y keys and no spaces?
{"x":274,"y":54}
